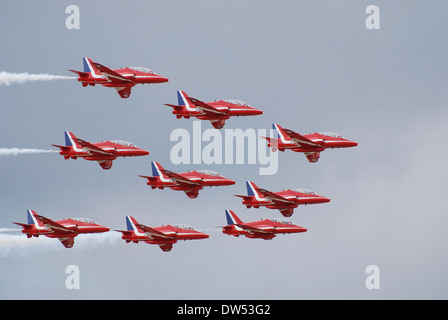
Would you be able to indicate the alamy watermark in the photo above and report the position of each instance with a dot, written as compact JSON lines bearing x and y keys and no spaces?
{"x":229,"y":146}
{"x":73,"y":280}
{"x":373,"y":280}
{"x":73,"y":20}
{"x":373,"y":20}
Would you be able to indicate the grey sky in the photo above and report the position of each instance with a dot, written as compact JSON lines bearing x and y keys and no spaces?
{"x":311,"y":66}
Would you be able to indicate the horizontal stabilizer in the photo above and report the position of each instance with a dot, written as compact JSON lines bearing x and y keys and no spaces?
{"x":125,"y":232}
{"x":67,"y":148}
{"x":148,"y":177}
{"x":246,"y":198}
{"x":81,"y":74}
{"x":24,"y":225}
{"x":173,"y":106}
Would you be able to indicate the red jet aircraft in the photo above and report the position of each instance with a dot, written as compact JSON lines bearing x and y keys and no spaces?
{"x":217,"y":112}
{"x":164,"y":236}
{"x":65,"y":230}
{"x":102,"y":152}
{"x":285,"y":201}
{"x":310,"y":144}
{"x":121,"y":79}
{"x":189,"y":182}
{"x":263,"y":229}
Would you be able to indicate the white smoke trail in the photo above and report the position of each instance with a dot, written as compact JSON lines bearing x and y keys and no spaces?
{"x":2,"y":230}
{"x":5,"y":152}
{"x":23,"y":246}
{"x":7,"y":78}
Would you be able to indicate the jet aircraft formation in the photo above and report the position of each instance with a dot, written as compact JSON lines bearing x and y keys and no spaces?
{"x":217,"y":112}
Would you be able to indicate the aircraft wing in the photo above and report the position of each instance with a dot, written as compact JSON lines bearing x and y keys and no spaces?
{"x":182,"y":181}
{"x":312,"y":156}
{"x":192,"y":193}
{"x":93,"y":148}
{"x":206,"y":108}
{"x":253,"y":229}
{"x":67,"y":242}
{"x":124,"y":92}
{"x":54,"y":226}
{"x":112,"y":75}
{"x":155,"y":234}
{"x":275,"y":197}
{"x":299,"y":139}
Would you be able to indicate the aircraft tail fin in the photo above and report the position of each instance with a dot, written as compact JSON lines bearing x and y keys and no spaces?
{"x":131,"y":224}
{"x":183,"y":101}
{"x":90,"y":67}
{"x":253,"y":190}
{"x":281,"y":134}
{"x":157,"y":170}
{"x":71,"y":140}
{"x":87,"y":65}
{"x":232,"y":218}
{"x":33,"y":218}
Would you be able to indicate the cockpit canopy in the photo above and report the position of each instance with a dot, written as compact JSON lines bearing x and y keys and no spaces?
{"x":331,"y":134}
{"x":209,"y":172}
{"x":85,"y":220}
{"x":280,"y":220}
{"x":123,"y":143}
{"x":182,"y":226}
{"x":306,"y":191}
{"x":238,"y":102}
{"x":142,"y":69}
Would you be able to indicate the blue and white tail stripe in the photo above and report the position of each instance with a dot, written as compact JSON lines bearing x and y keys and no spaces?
{"x":157,"y":172}
{"x":86,"y":65}
{"x":183,"y":101}
{"x":130,"y":224}
{"x":252,"y":190}
{"x":69,"y":142}
{"x":32,"y":220}
{"x":283,"y":137}
{"x":89,"y":69}
{"x":30,"y":217}
{"x":274,"y":126}
{"x":232,"y":218}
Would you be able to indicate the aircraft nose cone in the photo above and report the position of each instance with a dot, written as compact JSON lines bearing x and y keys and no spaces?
{"x":254,"y":112}
{"x":229,"y":182}
{"x":349,"y":143}
{"x":324,"y":199}
{"x":103,"y":229}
